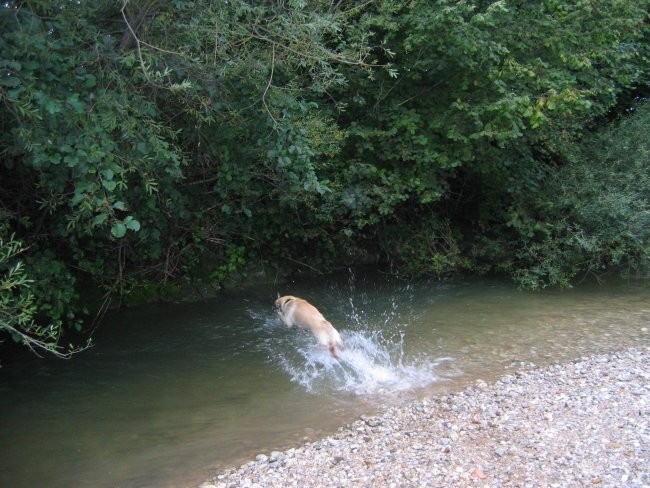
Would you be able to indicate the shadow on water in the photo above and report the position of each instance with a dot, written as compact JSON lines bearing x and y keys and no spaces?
{"x":170,"y":392}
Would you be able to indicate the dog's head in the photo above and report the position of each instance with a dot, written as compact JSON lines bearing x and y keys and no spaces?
{"x":282,"y":301}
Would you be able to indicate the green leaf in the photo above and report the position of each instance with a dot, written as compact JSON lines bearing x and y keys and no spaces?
{"x":99,"y":219}
{"x":118,"y":230}
{"x":78,"y":105}
{"x":132,"y":224}
{"x":109,"y":184}
{"x":129,"y":60}
{"x":14,"y":94}
{"x":10,"y":81}
{"x":52,"y":107}
{"x":13,"y":65}
{"x":90,"y":81}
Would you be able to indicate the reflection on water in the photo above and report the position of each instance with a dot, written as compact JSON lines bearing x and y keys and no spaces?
{"x":171,"y":392}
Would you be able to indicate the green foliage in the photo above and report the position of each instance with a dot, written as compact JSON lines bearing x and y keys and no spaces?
{"x":235,"y":261}
{"x":151,"y":145}
{"x":429,"y":247}
{"x":104,"y":106}
{"x":489,"y":97}
{"x":16,"y":302}
{"x":605,"y":194}
{"x":589,"y":216}
{"x":476,"y":76}
{"x":19,"y":309}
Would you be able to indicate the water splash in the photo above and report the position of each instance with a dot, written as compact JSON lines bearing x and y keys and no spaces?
{"x":368,"y":365}
{"x":374,"y":329}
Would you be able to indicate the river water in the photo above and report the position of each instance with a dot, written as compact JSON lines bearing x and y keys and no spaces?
{"x":169,"y":393}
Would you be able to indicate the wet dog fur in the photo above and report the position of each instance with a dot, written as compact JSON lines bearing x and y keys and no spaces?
{"x":299,"y":312}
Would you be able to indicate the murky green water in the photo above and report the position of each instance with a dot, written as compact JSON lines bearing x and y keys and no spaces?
{"x":171,"y":392}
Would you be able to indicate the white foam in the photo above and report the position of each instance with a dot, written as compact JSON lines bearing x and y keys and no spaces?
{"x":367,"y":365}
{"x":373,"y":361}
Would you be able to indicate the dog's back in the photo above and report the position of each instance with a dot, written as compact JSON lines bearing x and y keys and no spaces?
{"x":297,"y":311}
{"x":305,"y":313}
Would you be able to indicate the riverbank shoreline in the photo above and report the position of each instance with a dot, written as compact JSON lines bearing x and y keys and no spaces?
{"x":581,"y":423}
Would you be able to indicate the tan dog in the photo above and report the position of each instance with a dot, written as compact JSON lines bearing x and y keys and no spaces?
{"x":296,"y":311}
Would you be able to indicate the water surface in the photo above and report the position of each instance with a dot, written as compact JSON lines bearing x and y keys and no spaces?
{"x":171,"y":392}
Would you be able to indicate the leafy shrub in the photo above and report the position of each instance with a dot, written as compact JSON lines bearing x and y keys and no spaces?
{"x":21,"y":313}
{"x":586,"y":217}
{"x":429,"y":247}
{"x":150,"y":145}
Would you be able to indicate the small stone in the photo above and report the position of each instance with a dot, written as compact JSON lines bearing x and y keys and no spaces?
{"x":501,"y":451}
{"x":337,"y":459}
{"x":479,"y":473}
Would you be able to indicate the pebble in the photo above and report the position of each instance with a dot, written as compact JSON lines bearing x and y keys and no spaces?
{"x":584,"y":423}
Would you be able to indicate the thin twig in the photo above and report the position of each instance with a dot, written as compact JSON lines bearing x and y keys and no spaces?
{"x":135,"y":37}
{"x":268,"y":85}
{"x":328,"y":54}
{"x":140,"y":41}
{"x":33,"y":343}
{"x":303,"y":264}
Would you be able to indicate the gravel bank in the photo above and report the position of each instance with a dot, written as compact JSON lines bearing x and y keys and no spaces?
{"x":585,"y":423}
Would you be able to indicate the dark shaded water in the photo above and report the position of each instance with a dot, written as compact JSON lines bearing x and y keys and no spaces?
{"x":170,"y":392}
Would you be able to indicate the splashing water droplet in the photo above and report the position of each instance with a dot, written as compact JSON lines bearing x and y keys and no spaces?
{"x":373,"y":361}
{"x":367,"y":365}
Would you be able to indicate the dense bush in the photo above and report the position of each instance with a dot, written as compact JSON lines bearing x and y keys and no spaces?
{"x":588,"y":216}
{"x":151,"y":145}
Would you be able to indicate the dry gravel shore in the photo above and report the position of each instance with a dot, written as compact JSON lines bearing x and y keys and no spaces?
{"x":584,"y":423}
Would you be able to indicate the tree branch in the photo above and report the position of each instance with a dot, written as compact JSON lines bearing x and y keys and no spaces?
{"x":268,"y":85}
